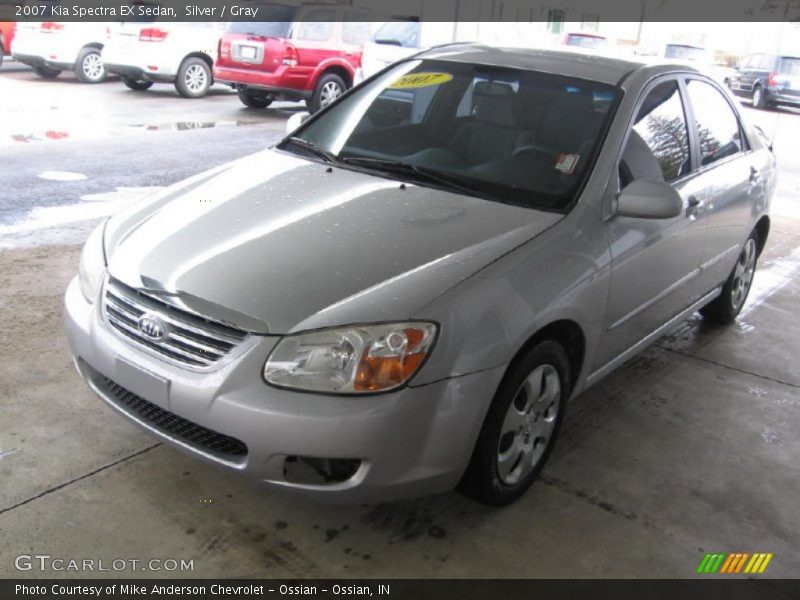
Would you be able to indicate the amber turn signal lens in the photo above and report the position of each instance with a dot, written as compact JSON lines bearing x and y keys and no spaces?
{"x":377,"y":373}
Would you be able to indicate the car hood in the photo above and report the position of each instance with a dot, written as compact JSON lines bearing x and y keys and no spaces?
{"x":274,"y":243}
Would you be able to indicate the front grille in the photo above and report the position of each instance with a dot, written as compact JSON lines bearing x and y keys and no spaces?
{"x":174,"y":426}
{"x":190,"y":340}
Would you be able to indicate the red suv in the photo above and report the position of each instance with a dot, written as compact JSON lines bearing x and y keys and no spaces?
{"x":306,"y":53}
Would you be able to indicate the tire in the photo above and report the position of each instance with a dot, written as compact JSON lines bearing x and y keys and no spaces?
{"x":724,"y":309}
{"x":759,"y":98}
{"x":329,"y":87}
{"x":137,"y":85}
{"x":498,"y":472}
{"x":194,"y":78}
{"x":46,"y":73}
{"x":251,"y":100}
{"x":89,"y":66}
{"x":2,"y":53}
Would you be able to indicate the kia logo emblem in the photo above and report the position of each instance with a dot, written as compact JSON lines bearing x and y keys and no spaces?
{"x":152,"y":328}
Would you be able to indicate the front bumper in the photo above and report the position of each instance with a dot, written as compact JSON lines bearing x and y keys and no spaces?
{"x":412,"y":442}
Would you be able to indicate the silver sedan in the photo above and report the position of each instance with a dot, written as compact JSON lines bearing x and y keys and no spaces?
{"x":401,"y":296}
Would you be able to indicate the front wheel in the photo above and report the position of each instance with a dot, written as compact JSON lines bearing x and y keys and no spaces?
{"x":726,"y":307}
{"x":137,"y":85}
{"x":251,"y":100}
{"x":89,"y":66}
{"x":46,"y":73}
{"x":194,"y":78}
{"x":521,"y":426}
{"x":329,"y":88}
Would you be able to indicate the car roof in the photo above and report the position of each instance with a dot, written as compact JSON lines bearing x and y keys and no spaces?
{"x":593,"y":67}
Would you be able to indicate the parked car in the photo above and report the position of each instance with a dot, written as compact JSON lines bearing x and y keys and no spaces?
{"x":585,"y":40}
{"x":700,"y":58}
{"x":53,"y":47}
{"x":396,"y":40}
{"x":402,"y":295}
{"x":769,"y":80}
{"x":6,"y":37}
{"x":306,"y":53}
{"x":179,"y":53}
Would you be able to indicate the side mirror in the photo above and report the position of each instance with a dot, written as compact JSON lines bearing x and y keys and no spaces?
{"x":649,"y":199}
{"x":296,"y":120}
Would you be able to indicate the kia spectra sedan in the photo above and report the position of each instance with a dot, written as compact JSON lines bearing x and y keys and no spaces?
{"x":401,"y":296}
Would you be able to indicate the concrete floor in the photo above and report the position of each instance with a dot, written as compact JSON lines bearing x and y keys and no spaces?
{"x":692,"y":447}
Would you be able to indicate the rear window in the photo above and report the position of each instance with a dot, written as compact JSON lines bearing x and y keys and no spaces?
{"x":277,"y":21}
{"x":684,"y":52}
{"x":585,"y":41}
{"x":790,"y":66}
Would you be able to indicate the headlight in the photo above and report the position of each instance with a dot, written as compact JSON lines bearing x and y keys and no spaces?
{"x":93,"y":264}
{"x":350,"y":360}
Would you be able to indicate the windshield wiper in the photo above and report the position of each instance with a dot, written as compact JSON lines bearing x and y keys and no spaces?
{"x":311,"y":148}
{"x":424,"y":174}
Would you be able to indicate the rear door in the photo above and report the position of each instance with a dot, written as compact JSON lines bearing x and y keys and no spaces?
{"x":654,"y":261}
{"x":729,"y":175}
{"x":315,"y":38}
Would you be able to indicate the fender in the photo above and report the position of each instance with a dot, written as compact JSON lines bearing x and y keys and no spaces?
{"x":333,"y":62}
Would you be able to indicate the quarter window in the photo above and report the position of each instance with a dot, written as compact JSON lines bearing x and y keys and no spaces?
{"x":717,"y":126}
{"x":658,"y":145}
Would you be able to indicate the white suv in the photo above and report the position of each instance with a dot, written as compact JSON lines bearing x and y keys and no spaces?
{"x":179,"y":53}
{"x":52,"y":47}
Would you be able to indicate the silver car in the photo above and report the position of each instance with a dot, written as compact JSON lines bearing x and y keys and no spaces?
{"x":400,"y":297}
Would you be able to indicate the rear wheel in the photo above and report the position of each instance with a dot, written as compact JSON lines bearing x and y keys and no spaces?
{"x":253,"y":100}
{"x":2,"y":53}
{"x":759,"y":98}
{"x":727,"y":306}
{"x":329,"y":88}
{"x":194,"y":78}
{"x":138,"y":85}
{"x":521,"y":426}
{"x":89,"y":66}
{"x":46,"y":73}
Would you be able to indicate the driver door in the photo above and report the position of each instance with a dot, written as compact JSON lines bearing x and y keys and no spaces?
{"x":653,"y":261}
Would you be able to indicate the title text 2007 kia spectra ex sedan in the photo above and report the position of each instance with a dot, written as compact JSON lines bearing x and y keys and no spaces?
{"x":401,"y":297}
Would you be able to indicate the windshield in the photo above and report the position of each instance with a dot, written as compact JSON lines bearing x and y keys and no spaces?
{"x":585,"y":41}
{"x":684,"y":52}
{"x":399,"y":33}
{"x":509,"y":135}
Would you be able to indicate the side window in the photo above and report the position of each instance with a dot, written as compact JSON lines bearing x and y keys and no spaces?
{"x":717,"y":125}
{"x":766,"y":63}
{"x":319,"y":26}
{"x":355,"y":32}
{"x":658,"y":145}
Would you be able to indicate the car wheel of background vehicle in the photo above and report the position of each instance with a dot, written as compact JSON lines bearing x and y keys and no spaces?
{"x":329,"y":88}
{"x":138,"y":85}
{"x":251,"y":100}
{"x":2,"y":53}
{"x":46,"y":73}
{"x":759,"y":98}
{"x":194,"y":78}
{"x":89,"y":66}
{"x":521,"y":426}
{"x":726,"y":307}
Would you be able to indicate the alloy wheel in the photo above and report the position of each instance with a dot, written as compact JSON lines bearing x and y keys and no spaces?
{"x":757,"y":96}
{"x":743,"y":274}
{"x":529,"y":424}
{"x":196,"y":79}
{"x":330,"y":91}
{"x":93,"y":66}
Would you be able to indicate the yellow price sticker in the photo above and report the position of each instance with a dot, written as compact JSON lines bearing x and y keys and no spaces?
{"x":419,"y":80}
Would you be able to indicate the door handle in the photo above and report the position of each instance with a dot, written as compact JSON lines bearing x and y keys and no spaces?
{"x":693,"y":205}
{"x":754,"y":174}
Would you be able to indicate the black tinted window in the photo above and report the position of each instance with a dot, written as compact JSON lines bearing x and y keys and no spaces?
{"x":276,"y":22}
{"x":659,"y":143}
{"x":717,"y":125}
